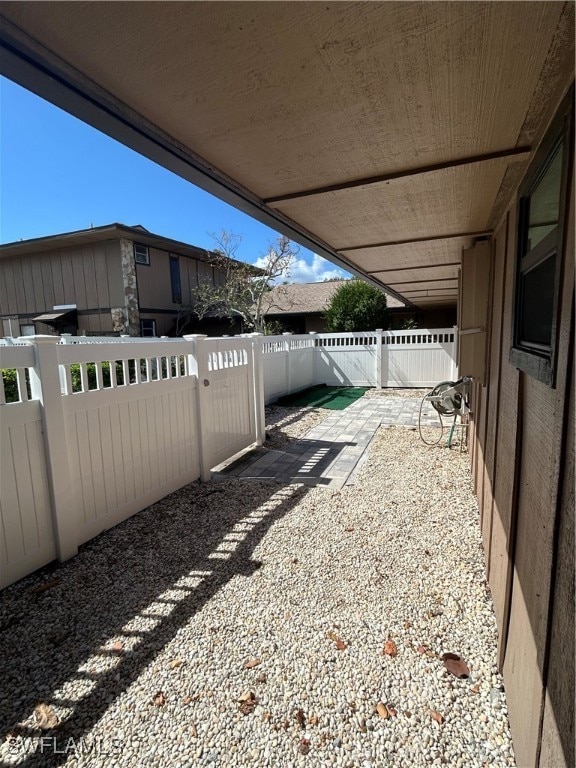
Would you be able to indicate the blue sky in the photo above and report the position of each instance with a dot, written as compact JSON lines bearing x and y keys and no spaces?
{"x":58,"y":174}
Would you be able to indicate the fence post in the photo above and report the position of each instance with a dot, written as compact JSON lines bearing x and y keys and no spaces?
{"x":45,"y":387}
{"x":203,"y":413}
{"x":379,"y":357}
{"x":258,"y":368}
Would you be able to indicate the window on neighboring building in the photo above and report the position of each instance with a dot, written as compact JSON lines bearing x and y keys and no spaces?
{"x":175,"y":279}
{"x":141,"y":254}
{"x":541,"y":226}
{"x":28,"y":329}
{"x":148,"y":327}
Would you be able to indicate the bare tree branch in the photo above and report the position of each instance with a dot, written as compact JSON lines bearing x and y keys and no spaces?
{"x":239,"y":290}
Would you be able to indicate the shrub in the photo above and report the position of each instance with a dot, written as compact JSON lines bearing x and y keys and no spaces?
{"x":357,"y":306}
{"x":10,"y":385}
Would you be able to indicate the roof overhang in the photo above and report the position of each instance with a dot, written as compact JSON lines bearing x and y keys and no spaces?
{"x":383,"y":136}
{"x":63,"y":317}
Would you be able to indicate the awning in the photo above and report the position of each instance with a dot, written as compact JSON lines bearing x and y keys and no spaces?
{"x":384,"y":136}
{"x":57,"y":318}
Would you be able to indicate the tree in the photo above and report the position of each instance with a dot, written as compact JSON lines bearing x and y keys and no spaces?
{"x":357,"y":306}
{"x":239,"y":289}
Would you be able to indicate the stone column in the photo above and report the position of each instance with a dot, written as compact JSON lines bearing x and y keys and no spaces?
{"x":131,"y":309}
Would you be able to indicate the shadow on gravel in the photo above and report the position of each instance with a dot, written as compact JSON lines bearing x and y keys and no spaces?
{"x":53,"y":623}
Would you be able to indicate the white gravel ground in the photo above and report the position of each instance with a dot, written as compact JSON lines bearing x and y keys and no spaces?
{"x":413,"y":394}
{"x":244,"y":625}
{"x":286,"y":424}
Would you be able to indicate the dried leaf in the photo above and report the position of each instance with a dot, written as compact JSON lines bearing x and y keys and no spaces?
{"x":193,"y":731}
{"x":340,"y":644}
{"x":117,"y":646}
{"x":248,"y":696}
{"x":407,"y":624}
{"x":187,"y":700}
{"x":390,"y":648}
{"x":455,"y":665}
{"x":435,"y":715}
{"x":300,"y":717}
{"x":159,"y":700}
{"x":45,"y":717}
{"x":475,"y":688}
{"x":382,"y":710}
{"x":45,"y":586}
{"x":422,"y":649}
{"x":266,"y":716}
{"x":176,"y":663}
{"x":304,"y":746}
{"x":247,"y":702}
{"x":313,"y":720}
{"x":247,"y":707}
{"x":251,"y":663}
{"x":391,"y":711}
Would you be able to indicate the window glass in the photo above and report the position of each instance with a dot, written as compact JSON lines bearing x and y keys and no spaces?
{"x":545,"y":202}
{"x":537,"y":304}
{"x":141,"y":254}
{"x":148,"y":327}
{"x":175,"y":279}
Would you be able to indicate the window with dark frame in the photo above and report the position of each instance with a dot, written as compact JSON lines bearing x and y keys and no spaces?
{"x":141,"y":254}
{"x":540,"y":244}
{"x":148,"y":327}
{"x":175,"y":279}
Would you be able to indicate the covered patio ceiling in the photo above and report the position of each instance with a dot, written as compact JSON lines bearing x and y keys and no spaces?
{"x":384,"y":136}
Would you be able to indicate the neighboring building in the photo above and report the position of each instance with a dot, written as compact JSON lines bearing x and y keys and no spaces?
{"x":300,"y":308}
{"x":108,"y":280}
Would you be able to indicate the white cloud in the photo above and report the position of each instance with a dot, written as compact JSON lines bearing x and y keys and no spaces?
{"x":303,"y":272}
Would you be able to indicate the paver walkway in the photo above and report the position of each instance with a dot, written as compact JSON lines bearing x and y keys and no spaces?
{"x":329,"y":453}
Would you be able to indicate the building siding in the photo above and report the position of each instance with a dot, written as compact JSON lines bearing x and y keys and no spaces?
{"x":88,"y":276}
{"x":520,"y":462}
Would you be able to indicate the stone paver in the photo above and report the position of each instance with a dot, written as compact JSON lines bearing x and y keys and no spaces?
{"x":329,"y":453}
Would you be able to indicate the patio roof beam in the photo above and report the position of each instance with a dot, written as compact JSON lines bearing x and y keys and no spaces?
{"x":432,"y":280}
{"x":454,"y":163}
{"x":415,"y":266}
{"x":428,"y":239}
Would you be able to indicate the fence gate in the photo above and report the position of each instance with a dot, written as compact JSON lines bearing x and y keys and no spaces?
{"x":227,"y":402}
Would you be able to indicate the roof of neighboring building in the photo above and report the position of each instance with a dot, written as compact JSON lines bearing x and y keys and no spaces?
{"x":308,"y":298}
{"x":96,"y":234}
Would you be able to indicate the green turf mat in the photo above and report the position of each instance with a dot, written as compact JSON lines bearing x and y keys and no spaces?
{"x":332,"y":398}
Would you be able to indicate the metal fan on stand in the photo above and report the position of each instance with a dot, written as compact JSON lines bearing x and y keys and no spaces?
{"x":449,"y":398}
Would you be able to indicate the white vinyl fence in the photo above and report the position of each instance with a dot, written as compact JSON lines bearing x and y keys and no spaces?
{"x":416,"y":358}
{"x":102,"y":430}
